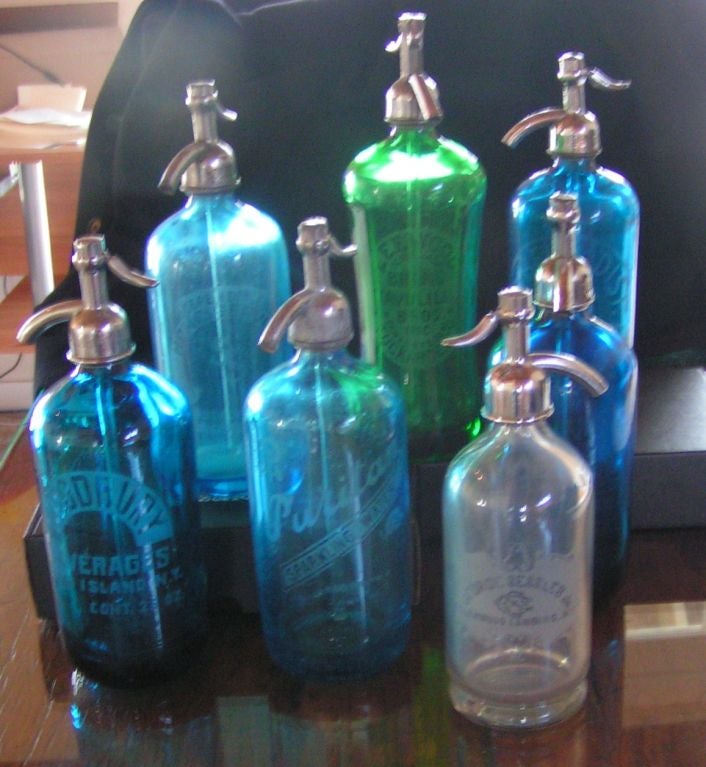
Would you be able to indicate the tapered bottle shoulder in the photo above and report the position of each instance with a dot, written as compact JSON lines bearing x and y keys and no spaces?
{"x":215,"y":223}
{"x":87,"y":397}
{"x":411,"y":155}
{"x":594,"y":187}
{"x":339,"y":384}
{"x":514,"y":467}
{"x":587,"y":337}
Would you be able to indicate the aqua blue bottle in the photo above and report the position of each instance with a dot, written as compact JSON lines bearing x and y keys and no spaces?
{"x":601,"y":429}
{"x":610,"y":213}
{"x":223,"y":270}
{"x":114,"y":457}
{"x":329,"y":496}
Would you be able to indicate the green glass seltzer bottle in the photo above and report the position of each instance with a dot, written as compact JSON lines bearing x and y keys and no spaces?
{"x":417,"y":201}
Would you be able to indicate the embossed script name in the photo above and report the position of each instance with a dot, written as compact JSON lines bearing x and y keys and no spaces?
{"x":294,"y":511}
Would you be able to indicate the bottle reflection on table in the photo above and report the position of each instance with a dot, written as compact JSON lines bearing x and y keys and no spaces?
{"x":591,"y":738}
{"x":300,"y":724}
{"x":153,"y":727}
{"x":562,"y":744}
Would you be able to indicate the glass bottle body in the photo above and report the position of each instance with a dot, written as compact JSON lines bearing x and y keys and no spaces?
{"x":223,"y":271}
{"x":330,"y":515}
{"x":517,"y":526}
{"x":607,"y":235}
{"x":113,"y":448}
{"x":417,"y":202}
{"x":601,"y":428}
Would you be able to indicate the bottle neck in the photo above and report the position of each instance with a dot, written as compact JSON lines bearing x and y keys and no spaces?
{"x":417,"y":133}
{"x":535,"y":429}
{"x":105,"y":370}
{"x":211,"y":199}
{"x":575,"y":164}
{"x":546,"y":313}
{"x":330,"y":357}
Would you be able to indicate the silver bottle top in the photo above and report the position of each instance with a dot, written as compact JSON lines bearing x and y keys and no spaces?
{"x":99,"y":332}
{"x":517,"y":391}
{"x":564,"y":281}
{"x":413,"y":99}
{"x":318,"y":317}
{"x":207,"y":165}
{"x":574,"y":131}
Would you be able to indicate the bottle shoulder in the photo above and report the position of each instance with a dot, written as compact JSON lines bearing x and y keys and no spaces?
{"x":410,"y":155}
{"x":345,"y":382}
{"x":152,"y":384}
{"x":197,"y":208}
{"x":251,"y":216}
{"x":595,"y":183}
{"x":511,"y":467}
{"x":135,"y":388}
{"x":592,"y":340}
{"x":234,"y":222}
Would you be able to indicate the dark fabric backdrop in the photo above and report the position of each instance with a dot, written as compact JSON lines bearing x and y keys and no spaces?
{"x":308,"y":79}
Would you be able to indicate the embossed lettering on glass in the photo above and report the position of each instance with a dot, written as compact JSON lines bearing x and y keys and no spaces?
{"x":223,"y":270}
{"x":518,"y":527}
{"x":114,"y":455}
{"x":417,"y":200}
{"x":328,"y":489}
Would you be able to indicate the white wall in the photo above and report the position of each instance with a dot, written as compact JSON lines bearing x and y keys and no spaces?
{"x":23,"y":3}
{"x":126,"y":8}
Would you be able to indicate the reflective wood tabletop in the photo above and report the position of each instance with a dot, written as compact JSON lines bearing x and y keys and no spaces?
{"x":646,"y":705}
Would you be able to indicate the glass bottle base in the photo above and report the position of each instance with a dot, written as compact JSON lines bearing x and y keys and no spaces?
{"x":513,"y":715}
{"x":132,"y":672}
{"x":221,"y":490}
{"x":341,"y":666}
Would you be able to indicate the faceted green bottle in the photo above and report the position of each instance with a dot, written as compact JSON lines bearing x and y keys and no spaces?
{"x":417,"y":202}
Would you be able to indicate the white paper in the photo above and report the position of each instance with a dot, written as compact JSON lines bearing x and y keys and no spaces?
{"x":67,"y":98}
{"x":47,"y":116}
